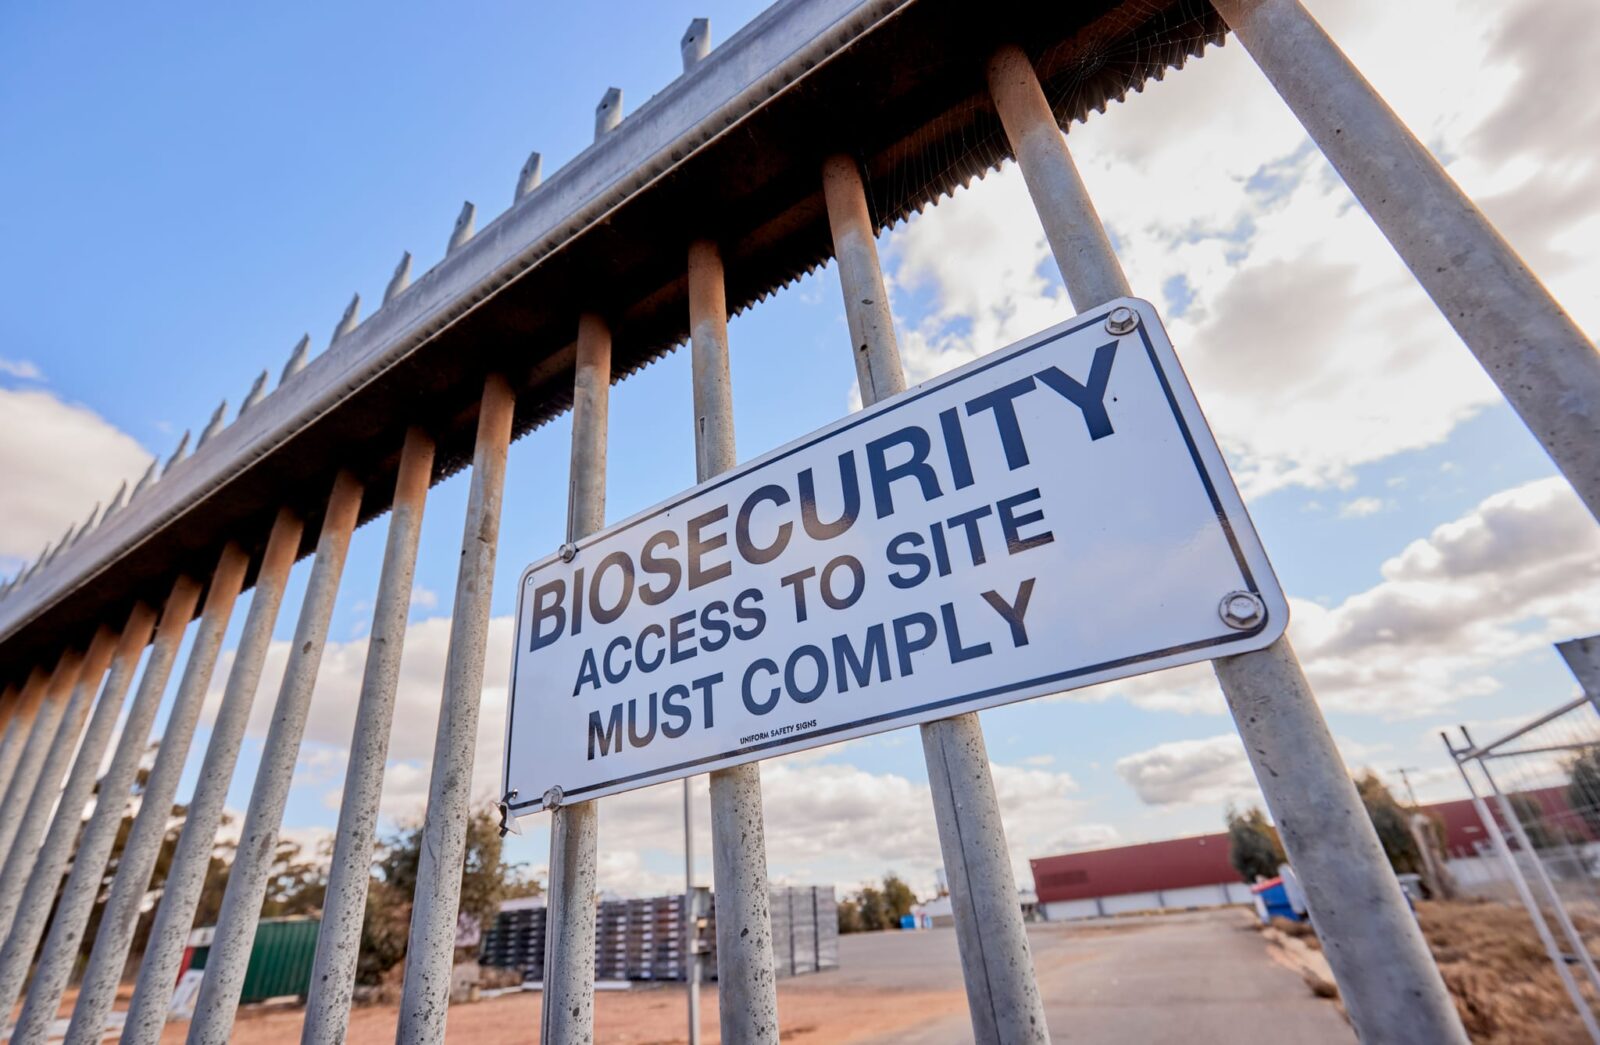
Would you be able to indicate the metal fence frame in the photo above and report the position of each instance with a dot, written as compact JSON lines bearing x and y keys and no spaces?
{"x":590,"y":242}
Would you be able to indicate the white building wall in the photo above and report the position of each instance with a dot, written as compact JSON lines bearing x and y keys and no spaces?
{"x":1220,"y":894}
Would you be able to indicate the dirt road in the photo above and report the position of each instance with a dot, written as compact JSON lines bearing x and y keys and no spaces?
{"x":1189,"y":979}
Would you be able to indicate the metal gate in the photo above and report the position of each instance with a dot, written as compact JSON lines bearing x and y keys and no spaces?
{"x":797,"y":141}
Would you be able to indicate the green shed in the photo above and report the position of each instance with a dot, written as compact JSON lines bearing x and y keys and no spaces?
{"x":280,"y":961}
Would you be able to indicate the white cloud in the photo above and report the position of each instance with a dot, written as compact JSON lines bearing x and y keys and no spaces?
{"x":424,"y":598}
{"x":1212,"y":771}
{"x":22,"y":369}
{"x":58,"y":459}
{"x":1518,"y":572}
{"x":1310,"y":345}
{"x":1361,"y":507}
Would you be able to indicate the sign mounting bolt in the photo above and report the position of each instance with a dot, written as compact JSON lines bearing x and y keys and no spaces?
{"x":552,"y":798}
{"x":1122,"y":320}
{"x":569,"y":552}
{"x":1241,"y":610}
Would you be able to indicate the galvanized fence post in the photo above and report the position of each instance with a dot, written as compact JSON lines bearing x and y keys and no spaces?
{"x":98,"y":987}
{"x":94,"y":846}
{"x":218,"y":1000}
{"x":1386,"y":975}
{"x":16,"y":701}
{"x":52,"y":705}
{"x":30,"y":881}
{"x":58,"y":757}
{"x":339,"y":938}
{"x":567,"y":1011}
{"x":996,"y":963}
{"x":1541,"y":361}
{"x":430,"y":947}
{"x":747,"y":985}
{"x":180,"y":895}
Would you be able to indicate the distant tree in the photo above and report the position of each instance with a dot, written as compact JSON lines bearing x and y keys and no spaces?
{"x":1583,"y":788}
{"x":1253,"y":846}
{"x":874,"y":912}
{"x":849,"y":916}
{"x":1389,"y":820}
{"x":898,"y":899}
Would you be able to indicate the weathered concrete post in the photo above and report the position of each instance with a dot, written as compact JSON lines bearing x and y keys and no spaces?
{"x":996,"y":963}
{"x":1386,"y":975}
{"x":94,"y":847}
{"x":333,"y":974}
{"x":1544,"y":365}
{"x":98,"y":987}
{"x":747,"y":985}
{"x":431,"y":947}
{"x":567,"y":1013}
{"x":52,"y":704}
{"x":218,"y":1001}
{"x":158,"y":972}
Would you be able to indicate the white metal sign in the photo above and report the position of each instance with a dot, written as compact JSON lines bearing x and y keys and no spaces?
{"x":1050,"y":516}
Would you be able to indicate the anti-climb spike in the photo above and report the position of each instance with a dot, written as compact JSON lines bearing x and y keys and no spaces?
{"x":297,"y":358}
{"x":149,"y":477}
{"x":348,"y":321}
{"x":179,"y":454}
{"x":608,"y":113}
{"x":258,"y":392}
{"x":400,"y":280}
{"x":463,"y":230}
{"x":214,"y":425}
{"x":116,"y":502}
{"x":88,"y":524}
{"x":530,"y":177}
{"x":696,"y":42}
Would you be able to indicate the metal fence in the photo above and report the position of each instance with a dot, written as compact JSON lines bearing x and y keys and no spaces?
{"x":1537,"y":792}
{"x":797,"y":141}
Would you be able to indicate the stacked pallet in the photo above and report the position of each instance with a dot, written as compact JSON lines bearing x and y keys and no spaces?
{"x":644,"y":939}
{"x":516,"y":940}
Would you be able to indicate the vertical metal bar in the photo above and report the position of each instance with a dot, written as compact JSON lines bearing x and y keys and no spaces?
{"x":20,"y":858}
{"x":98,"y":988}
{"x":94,"y":845}
{"x":1385,"y":972}
{"x":16,"y":730}
{"x":218,"y":1000}
{"x":1540,"y":359}
{"x":30,"y":884}
{"x":996,"y":963}
{"x":1526,"y":895}
{"x":52,"y":704}
{"x":567,"y":1012}
{"x":430,"y":946}
{"x":333,"y":973}
{"x":186,"y":876}
{"x":1546,"y":886}
{"x":691,"y":959}
{"x":747,"y":985}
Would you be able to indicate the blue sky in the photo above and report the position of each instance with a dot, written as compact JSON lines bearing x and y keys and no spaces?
{"x":193,"y":188}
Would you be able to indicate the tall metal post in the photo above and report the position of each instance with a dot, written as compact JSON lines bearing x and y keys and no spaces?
{"x":1542,"y":876}
{"x":333,"y":973}
{"x":98,"y":987}
{"x":94,"y":846}
{"x":180,"y":895}
{"x":20,"y":858}
{"x":30,"y":882}
{"x":18,"y":722}
{"x":1551,"y":948}
{"x":996,"y":963}
{"x":567,"y":1012}
{"x":1544,"y":365}
{"x":1386,"y":975}
{"x":430,"y":949}
{"x":218,"y":1000}
{"x":30,"y":764}
{"x":8,"y":729}
{"x":747,"y":985}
